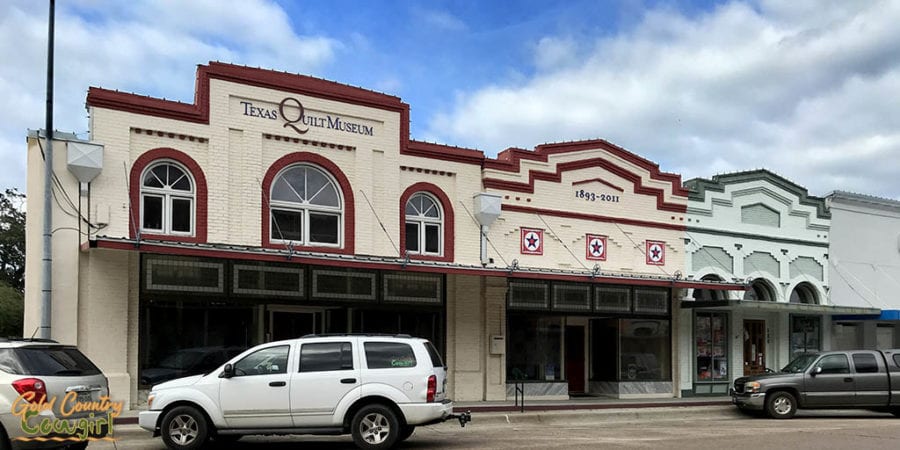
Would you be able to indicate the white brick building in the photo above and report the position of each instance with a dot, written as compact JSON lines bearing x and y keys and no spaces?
{"x":762,"y":229}
{"x":278,"y":205}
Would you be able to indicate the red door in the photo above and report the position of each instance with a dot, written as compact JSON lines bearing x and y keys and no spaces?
{"x":575,"y":359}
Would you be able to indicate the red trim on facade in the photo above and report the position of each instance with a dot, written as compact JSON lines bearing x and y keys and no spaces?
{"x":442,"y":152}
{"x":200,"y":194}
{"x":509,"y":159}
{"x":447,"y":207}
{"x":348,"y":217}
{"x":556,"y":177}
{"x":593,"y":217}
{"x":210,"y":253}
{"x":598,"y":180}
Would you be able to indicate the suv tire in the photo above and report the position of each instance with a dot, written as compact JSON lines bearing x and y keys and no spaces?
{"x":184,"y":428}
{"x":4,"y":440}
{"x":375,"y":427}
{"x":781,"y":405}
{"x":405,"y":432}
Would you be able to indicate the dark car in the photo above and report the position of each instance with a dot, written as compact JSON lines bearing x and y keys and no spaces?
{"x":187,"y":362}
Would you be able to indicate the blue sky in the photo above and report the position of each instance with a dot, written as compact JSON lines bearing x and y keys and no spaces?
{"x":806,"y":88}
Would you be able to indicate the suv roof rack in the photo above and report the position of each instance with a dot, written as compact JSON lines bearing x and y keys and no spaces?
{"x":21,"y":339}
{"x":356,"y":334}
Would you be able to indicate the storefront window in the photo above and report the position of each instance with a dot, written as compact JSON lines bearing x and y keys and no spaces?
{"x":645,"y":350}
{"x":806,"y":332}
{"x":534,"y":348}
{"x":710,"y":337}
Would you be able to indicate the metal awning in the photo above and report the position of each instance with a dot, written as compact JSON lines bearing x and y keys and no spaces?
{"x":756,"y":305}
{"x":397,"y":263}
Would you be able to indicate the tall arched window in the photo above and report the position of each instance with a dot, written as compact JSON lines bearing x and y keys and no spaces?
{"x":760,"y":290}
{"x":167,"y":199}
{"x":804,"y":293}
{"x":424,"y":223}
{"x":305,"y":207}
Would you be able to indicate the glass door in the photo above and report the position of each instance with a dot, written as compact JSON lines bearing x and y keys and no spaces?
{"x":291,"y":323}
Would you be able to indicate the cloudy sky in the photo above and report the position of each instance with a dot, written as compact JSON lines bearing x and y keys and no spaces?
{"x":808,"y":89}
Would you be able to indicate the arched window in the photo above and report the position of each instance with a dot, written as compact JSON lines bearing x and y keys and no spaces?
{"x":760,"y":290}
{"x":709,"y":294}
{"x":167,"y":199}
{"x":305,"y":207}
{"x":804,"y":293}
{"x":424,"y":222}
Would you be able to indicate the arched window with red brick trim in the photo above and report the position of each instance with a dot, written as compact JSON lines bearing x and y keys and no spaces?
{"x":424,"y":225}
{"x":306,"y":207}
{"x":168,"y":199}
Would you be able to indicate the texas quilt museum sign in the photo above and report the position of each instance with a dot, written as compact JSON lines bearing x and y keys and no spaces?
{"x":295,"y":117}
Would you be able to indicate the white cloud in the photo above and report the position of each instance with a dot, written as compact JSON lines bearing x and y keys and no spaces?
{"x":150,"y":47}
{"x":440,"y":20}
{"x":806,"y":89}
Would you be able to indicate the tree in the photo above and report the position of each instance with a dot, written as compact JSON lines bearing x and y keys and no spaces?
{"x":12,"y":262}
{"x":11,"y":311}
{"x":12,"y":239}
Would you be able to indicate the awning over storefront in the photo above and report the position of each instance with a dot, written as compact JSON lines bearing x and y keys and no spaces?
{"x":886,"y":315}
{"x":395,"y":263}
{"x":783,"y":307}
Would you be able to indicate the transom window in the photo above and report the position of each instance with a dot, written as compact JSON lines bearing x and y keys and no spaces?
{"x":167,"y":199}
{"x":424,"y":221}
{"x":305,"y":207}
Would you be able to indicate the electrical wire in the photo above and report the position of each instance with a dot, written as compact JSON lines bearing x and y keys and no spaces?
{"x":562,"y":242}
{"x":383,"y":228}
{"x":638,"y":247}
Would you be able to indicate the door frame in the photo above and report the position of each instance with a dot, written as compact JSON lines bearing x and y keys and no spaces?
{"x":765,"y":351}
{"x":585,"y":343}
{"x":272,"y":309}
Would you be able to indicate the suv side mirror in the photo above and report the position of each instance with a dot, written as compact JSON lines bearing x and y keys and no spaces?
{"x":227,"y":371}
{"x":816,"y":371}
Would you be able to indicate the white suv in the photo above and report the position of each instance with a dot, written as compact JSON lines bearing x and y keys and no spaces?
{"x":376,"y":388}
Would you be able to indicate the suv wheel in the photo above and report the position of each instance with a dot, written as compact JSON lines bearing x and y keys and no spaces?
{"x":375,"y":427}
{"x":781,"y":405}
{"x":4,"y":441}
{"x":184,"y":428}
{"x":405,"y":433}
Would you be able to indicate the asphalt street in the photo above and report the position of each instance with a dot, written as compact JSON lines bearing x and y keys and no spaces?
{"x":675,"y":429}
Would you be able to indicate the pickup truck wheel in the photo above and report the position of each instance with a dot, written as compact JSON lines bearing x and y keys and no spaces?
{"x":781,"y":405}
{"x":375,"y":427}
{"x":184,"y":428}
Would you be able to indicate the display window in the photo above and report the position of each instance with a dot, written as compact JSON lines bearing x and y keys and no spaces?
{"x":711,"y":347}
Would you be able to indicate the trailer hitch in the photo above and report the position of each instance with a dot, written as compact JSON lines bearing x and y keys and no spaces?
{"x":463,"y":418}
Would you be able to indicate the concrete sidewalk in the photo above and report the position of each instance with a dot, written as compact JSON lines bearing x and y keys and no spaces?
{"x":578,"y":410}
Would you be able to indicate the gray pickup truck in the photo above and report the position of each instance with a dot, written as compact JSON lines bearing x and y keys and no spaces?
{"x":864,"y":379}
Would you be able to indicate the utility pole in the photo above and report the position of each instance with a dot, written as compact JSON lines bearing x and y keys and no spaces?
{"x":46,"y":280}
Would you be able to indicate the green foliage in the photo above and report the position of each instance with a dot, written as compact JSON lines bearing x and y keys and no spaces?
{"x":11,"y":311}
{"x":12,"y":239}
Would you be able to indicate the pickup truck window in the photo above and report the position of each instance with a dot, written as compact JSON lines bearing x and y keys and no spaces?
{"x":865,"y":363}
{"x":834,"y":364}
{"x":800,"y":363}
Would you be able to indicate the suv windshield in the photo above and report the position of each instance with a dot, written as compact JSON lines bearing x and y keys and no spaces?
{"x":46,"y":361}
{"x":800,"y":363}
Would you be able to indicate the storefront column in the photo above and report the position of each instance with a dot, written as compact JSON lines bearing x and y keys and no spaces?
{"x":494,"y":301}
{"x":465,"y":341}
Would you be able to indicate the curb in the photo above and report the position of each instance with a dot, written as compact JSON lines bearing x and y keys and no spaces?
{"x":553,"y":414}
{"x":607,"y":415}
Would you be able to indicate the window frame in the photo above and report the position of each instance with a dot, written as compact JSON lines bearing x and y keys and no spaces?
{"x":305,"y":208}
{"x":169,"y":196}
{"x":421,"y":222}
